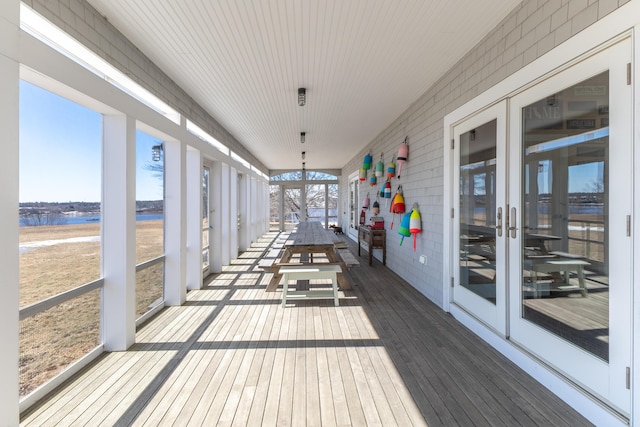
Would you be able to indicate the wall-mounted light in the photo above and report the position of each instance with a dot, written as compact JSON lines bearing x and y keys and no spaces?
{"x":472,"y":135}
{"x":302,"y":96}
{"x":156,"y":153}
{"x":304,"y":166}
{"x":303,"y":137}
{"x":304,"y":153}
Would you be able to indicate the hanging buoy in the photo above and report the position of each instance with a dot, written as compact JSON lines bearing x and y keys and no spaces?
{"x":365,"y":202}
{"x":362,"y":175}
{"x":366,"y":163}
{"x":373,"y":180}
{"x":376,"y":207}
{"x":403,"y":230}
{"x":397,"y":205}
{"x":362,"y":217}
{"x":387,"y":192}
{"x":403,"y":153}
{"x":391,"y":169}
{"x":415,"y":225}
{"x":379,"y":167}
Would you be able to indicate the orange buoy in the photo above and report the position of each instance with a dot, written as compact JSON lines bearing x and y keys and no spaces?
{"x":397,"y":204}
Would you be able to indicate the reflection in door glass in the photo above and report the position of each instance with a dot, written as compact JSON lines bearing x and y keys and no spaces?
{"x":478,"y":211}
{"x":565,"y":212}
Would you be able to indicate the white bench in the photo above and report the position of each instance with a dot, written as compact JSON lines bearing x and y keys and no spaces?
{"x":310,"y":272}
{"x":566,"y":266}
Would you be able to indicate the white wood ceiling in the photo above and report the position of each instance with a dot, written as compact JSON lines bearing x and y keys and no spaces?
{"x":363,"y":63}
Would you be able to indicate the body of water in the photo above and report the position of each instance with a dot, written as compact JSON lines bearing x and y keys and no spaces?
{"x":84,"y":219}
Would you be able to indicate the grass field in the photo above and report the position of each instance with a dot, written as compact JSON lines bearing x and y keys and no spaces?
{"x":55,"y":259}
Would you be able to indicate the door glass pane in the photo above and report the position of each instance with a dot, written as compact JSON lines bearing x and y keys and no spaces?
{"x":565,"y":214}
{"x":353,"y":204}
{"x":292,"y":207}
{"x":478,"y":211}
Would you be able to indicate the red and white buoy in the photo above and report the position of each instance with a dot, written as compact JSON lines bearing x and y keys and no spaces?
{"x":387,"y":191}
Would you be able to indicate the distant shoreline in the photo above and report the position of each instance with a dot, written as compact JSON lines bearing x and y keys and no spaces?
{"x":93,"y":218}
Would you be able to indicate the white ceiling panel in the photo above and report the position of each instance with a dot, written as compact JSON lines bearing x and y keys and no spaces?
{"x":363,"y":63}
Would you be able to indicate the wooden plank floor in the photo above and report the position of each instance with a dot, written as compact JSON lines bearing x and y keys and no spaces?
{"x":232,"y":356}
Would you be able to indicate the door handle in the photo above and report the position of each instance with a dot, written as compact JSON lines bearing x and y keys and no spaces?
{"x":499,"y":222}
{"x":512,"y":223}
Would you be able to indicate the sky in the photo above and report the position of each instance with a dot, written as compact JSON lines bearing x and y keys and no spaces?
{"x":61,"y":151}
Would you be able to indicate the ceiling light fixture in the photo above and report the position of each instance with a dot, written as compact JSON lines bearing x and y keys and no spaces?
{"x":302,"y":96}
{"x":303,"y":137}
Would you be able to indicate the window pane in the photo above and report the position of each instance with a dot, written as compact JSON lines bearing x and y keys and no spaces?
{"x":149,"y":220}
{"x":564,"y":257}
{"x":60,"y":190}
{"x":316,"y":176}
{"x":274,"y":207}
{"x":149,"y":197}
{"x":478,"y":211}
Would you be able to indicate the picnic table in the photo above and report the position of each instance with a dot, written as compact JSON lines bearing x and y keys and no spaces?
{"x":309,"y":238}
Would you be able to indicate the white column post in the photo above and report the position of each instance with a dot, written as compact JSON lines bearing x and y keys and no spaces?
{"x":119,"y":231}
{"x":233,"y":212}
{"x":243,"y":211}
{"x":175,"y":283}
{"x":266,"y":207}
{"x":225,"y":214}
{"x":215,"y":207}
{"x":9,"y":261}
{"x":253,"y":200}
{"x":194,"y":219}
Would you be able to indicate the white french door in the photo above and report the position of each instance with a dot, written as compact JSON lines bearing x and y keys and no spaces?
{"x":570,"y":193}
{"x":541,"y":243}
{"x":479,"y":276}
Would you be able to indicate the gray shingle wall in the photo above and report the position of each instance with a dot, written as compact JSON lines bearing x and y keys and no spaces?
{"x":85,"y":24}
{"x":528,"y":32}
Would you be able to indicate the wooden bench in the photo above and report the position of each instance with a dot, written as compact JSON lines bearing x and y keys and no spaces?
{"x":347,"y":258}
{"x":310,"y":272}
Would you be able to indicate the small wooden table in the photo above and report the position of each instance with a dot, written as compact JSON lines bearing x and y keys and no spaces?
{"x":375,"y":238}
{"x":309,"y":238}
